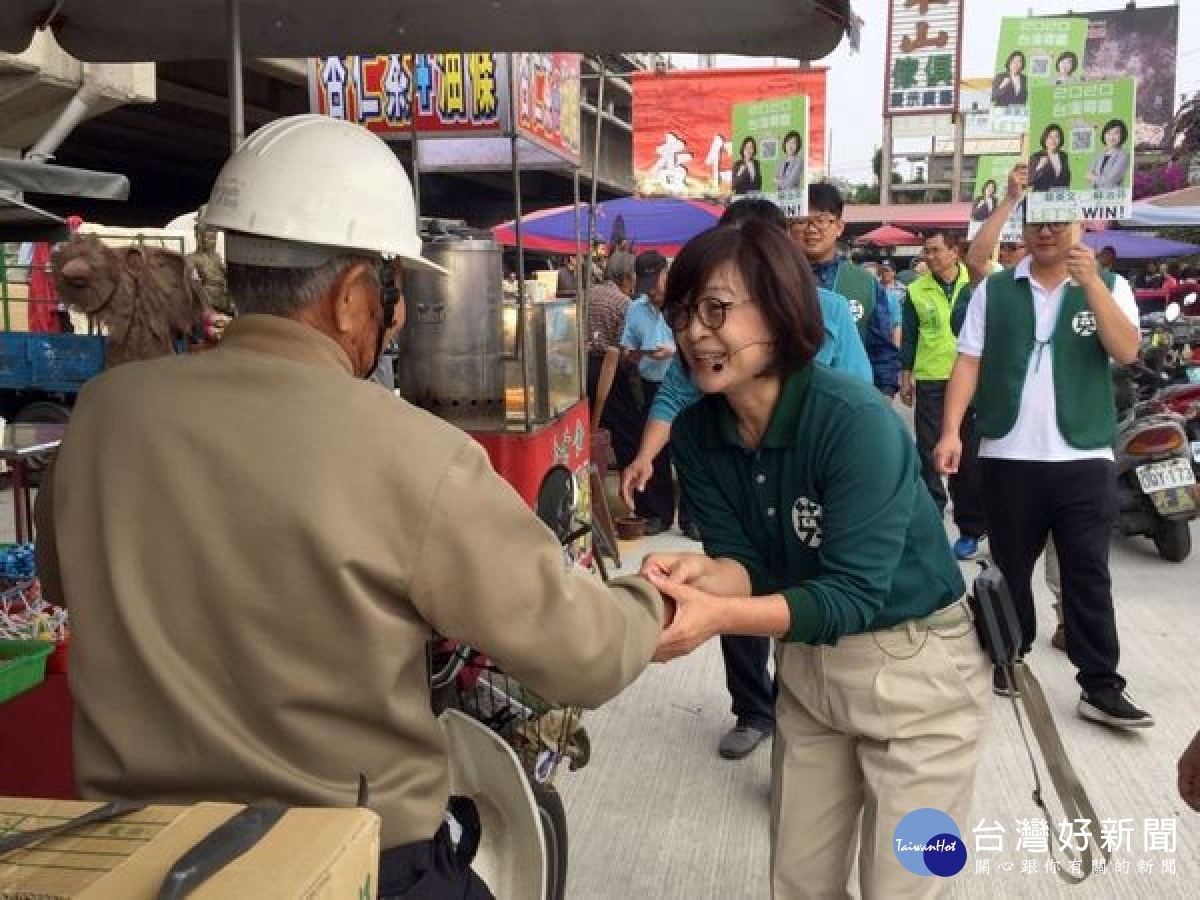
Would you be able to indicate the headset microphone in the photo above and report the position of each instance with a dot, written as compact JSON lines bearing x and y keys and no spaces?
{"x":720,"y":367}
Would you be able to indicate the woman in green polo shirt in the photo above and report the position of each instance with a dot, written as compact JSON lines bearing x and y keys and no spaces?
{"x":819,"y":532}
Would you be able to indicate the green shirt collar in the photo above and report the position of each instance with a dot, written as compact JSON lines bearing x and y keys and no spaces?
{"x":721,"y":430}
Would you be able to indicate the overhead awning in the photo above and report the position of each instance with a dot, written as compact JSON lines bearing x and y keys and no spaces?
{"x":916,"y":215}
{"x":21,"y":222}
{"x":152,"y":31}
{"x":64,"y":181}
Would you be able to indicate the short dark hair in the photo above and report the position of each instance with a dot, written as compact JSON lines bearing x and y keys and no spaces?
{"x":776,"y":274}
{"x":1115,"y":123}
{"x":825,"y":197}
{"x":793,"y":134}
{"x":950,"y":238}
{"x":748,"y":139}
{"x":1062,"y":138}
{"x":1069,"y":54}
{"x":757,"y":208}
{"x":1109,"y":248}
{"x":1016,"y":54}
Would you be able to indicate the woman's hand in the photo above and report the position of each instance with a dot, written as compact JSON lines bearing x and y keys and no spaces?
{"x":635,"y":478}
{"x":678,"y":568}
{"x":696,"y":617}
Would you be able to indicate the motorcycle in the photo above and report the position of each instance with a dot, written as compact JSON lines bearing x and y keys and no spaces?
{"x":1156,"y":484}
{"x":1180,"y":359}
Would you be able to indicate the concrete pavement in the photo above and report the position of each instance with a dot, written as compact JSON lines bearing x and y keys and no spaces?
{"x":658,"y":815}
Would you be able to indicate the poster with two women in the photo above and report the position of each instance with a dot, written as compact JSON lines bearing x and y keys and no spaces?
{"x":769,"y":150}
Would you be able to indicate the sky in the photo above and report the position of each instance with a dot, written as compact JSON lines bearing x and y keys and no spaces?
{"x":856,"y":79}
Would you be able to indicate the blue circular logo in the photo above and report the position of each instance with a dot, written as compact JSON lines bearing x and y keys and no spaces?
{"x":928,"y":842}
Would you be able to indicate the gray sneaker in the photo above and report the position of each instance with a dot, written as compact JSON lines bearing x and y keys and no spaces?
{"x":741,"y":741}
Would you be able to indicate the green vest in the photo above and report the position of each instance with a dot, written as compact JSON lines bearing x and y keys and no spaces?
{"x":1083,"y":389}
{"x":857,"y":285}
{"x":937,"y":345}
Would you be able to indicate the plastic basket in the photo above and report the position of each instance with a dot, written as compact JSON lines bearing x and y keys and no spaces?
{"x":22,"y":666}
{"x":65,"y":360}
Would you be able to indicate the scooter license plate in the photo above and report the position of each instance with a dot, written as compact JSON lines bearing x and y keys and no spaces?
{"x":1159,"y":476}
{"x":1173,"y":501}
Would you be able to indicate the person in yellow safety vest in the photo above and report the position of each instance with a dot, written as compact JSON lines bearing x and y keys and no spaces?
{"x":933,"y":313}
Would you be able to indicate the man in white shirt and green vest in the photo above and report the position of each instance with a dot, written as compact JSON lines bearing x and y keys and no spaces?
{"x":933,"y":314}
{"x":1034,"y":354}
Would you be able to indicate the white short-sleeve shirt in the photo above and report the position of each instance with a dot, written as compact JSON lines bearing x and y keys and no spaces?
{"x":1036,"y":436}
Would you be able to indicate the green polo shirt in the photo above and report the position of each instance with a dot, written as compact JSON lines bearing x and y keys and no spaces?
{"x":830,"y":510}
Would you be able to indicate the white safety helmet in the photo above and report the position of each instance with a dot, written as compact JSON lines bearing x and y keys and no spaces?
{"x":302,"y":189}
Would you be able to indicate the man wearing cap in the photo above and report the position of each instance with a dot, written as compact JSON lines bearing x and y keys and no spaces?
{"x":648,"y":340}
{"x":256,"y":543}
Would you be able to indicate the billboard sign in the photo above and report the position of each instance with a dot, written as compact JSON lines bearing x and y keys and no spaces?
{"x":454,"y":94}
{"x":923,"y":57}
{"x":682,"y":125}
{"x":1141,"y":42}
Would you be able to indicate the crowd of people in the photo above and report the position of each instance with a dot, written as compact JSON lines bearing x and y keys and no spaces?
{"x":758,"y":370}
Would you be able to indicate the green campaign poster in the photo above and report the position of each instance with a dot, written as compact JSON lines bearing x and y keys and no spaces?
{"x":1081,"y":150}
{"x":991,"y":184}
{"x":770,"y":156}
{"x":1033,"y":51}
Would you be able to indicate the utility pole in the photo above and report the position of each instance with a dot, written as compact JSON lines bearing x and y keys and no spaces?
{"x":885,"y":164}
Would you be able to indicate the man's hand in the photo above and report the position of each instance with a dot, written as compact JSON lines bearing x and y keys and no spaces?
{"x":1081,"y":265}
{"x":1018,"y":181}
{"x":635,"y":478}
{"x":1189,"y":771}
{"x":948,"y":454}
{"x":697,"y":618}
{"x":906,"y":388}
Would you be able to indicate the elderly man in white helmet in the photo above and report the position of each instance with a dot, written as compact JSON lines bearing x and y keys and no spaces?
{"x":255,"y":543}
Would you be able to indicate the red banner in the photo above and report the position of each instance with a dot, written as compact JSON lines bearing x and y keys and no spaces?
{"x":682,"y":145}
{"x":547,"y":94}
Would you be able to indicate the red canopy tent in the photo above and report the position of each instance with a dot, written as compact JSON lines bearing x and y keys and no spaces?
{"x":888,"y":236}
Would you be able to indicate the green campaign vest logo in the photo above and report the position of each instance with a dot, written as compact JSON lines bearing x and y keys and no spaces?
{"x":1084,"y":323}
{"x":856,"y":310}
{"x":806,"y":519}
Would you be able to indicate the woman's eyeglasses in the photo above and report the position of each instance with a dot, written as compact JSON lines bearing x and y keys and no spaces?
{"x":710,"y":311}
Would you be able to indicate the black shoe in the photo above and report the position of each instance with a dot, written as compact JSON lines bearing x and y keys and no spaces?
{"x":690,"y":531}
{"x":1108,"y":706}
{"x":1000,"y":683}
{"x":654,"y":525}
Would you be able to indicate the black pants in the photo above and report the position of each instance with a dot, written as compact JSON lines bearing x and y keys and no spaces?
{"x":1076,"y":502}
{"x":436,"y":869}
{"x":657,"y":501}
{"x":622,"y":416}
{"x":928,"y":415}
{"x":749,"y":683}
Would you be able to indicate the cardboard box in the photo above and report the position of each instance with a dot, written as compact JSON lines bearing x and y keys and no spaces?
{"x":309,"y":854}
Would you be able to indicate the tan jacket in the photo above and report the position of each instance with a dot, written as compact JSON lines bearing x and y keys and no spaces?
{"x":253,"y":545}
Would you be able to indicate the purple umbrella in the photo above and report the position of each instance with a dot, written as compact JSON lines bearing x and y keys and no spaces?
{"x":1137,"y":245}
{"x":651,"y":223}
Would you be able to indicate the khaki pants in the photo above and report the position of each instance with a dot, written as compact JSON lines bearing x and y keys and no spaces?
{"x":879,"y":725}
